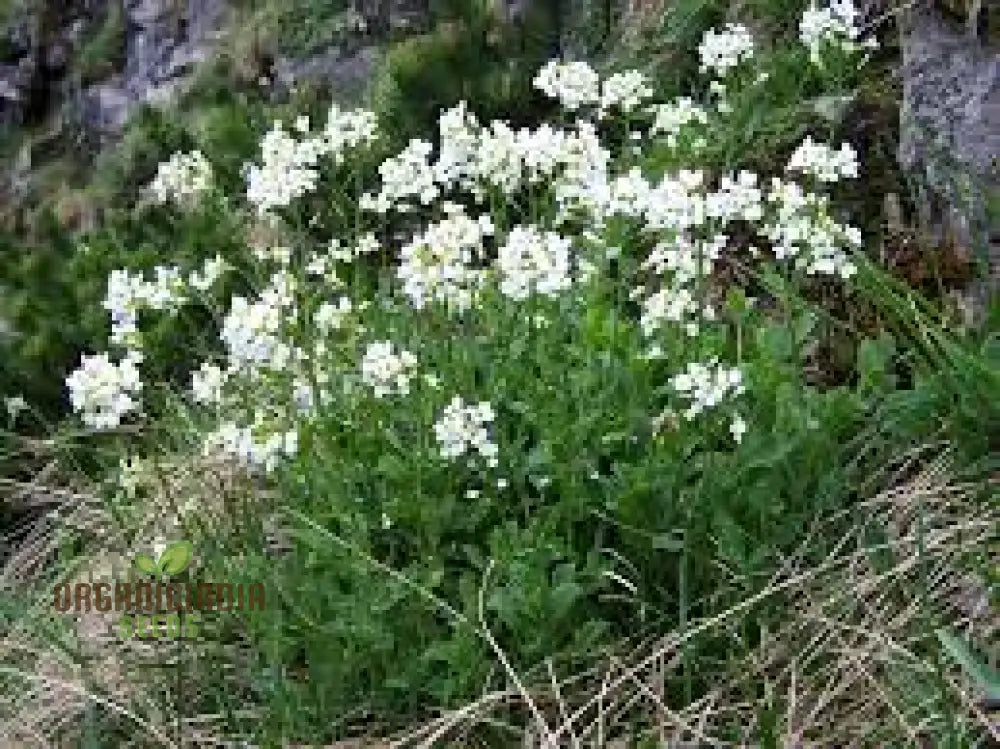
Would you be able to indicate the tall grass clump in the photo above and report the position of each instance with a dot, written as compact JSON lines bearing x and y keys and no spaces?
{"x":525,"y":433}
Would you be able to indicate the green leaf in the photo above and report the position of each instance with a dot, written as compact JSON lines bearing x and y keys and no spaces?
{"x":176,"y":557}
{"x":146,"y":564}
{"x":988,"y":678}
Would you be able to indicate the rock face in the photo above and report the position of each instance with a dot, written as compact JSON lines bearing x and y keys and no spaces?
{"x":164,"y":40}
{"x":950,"y":119}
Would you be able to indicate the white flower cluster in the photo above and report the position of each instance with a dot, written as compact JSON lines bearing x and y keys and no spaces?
{"x":577,"y":85}
{"x":625,"y":91}
{"x":534,"y":261}
{"x":834,"y":25}
{"x":675,"y":203}
{"x":130,"y":292}
{"x":738,"y":199}
{"x":822,"y":162}
{"x":207,"y":383}
{"x":803,"y":230}
{"x":673,"y":118}
{"x":289,"y":170}
{"x":707,"y":385}
{"x":329,"y":316}
{"x":104,"y":392}
{"x":684,"y":262}
{"x":574,"y":84}
{"x":385,"y":371}
{"x":254,"y":332}
{"x":405,"y":177}
{"x":462,"y":428}
{"x":437,"y":265}
{"x":242,"y":444}
{"x":346,"y":130}
{"x":290,"y":167}
{"x":720,"y":51}
{"x":182,"y":178}
{"x":477,"y":159}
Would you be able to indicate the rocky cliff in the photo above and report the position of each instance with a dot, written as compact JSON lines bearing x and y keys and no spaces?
{"x":950,"y":121}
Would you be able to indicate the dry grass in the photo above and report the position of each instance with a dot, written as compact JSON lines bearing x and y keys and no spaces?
{"x":68,"y":664}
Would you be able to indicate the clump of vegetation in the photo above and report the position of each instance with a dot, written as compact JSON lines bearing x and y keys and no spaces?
{"x":103,"y":53}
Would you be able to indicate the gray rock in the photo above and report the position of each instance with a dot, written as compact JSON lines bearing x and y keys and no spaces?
{"x":950,"y":125}
{"x":106,"y":107}
{"x":346,"y":72}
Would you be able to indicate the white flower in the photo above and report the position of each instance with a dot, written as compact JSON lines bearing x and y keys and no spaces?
{"x":250,"y":449}
{"x":832,"y":26}
{"x":671,"y":119}
{"x":14,"y":406}
{"x":129,"y":293}
{"x":738,"y":428}
{"x":289,"y":170}
{"x":720,"y":51}
{"x":386,"y":371}
{"x":803,"y":230}
{"x":534,"y":261}
{"x":254,"y":332}
{"x":574,"y":84}
{"x":437,"y":265}
{"x":183,"y":177}
{"x":822,"y":162}
{"x":625,"y":91}
{"x":212,"y":270}
{"x":737,"y":199}
{"x":462,"y":428}
{"x":104,"y":392}
{"x":705,"y":386}
{"x":406,"y":178}
{"x":367,"y":244}
{"x":331,"y":316}
{"x":207,"y":383}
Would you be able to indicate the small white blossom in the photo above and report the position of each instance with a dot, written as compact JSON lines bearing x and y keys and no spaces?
{"x":330,"y":316}
{"x":104,"y":392}
{"x":705,"y":386}
{"x":462,"y":428}
{"x":211,"y":271}
{"x":250,"y":449}
{"x":625,"y":91}
{"x":207,"y":383}
{"x":822,"y":162}
{"x":720,"y":51}
{"x":183,"y":177}
{"x":534,"y":261}
{"x":574,"y":84}
{"x":738,"y":428}
{"x":385,"y":371}
{"x":832,"y":26}
{"x":437,"y":266}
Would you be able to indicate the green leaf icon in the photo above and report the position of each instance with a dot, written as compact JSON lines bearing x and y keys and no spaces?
{"x":176,"y":557}
{"x":146,"y":564}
